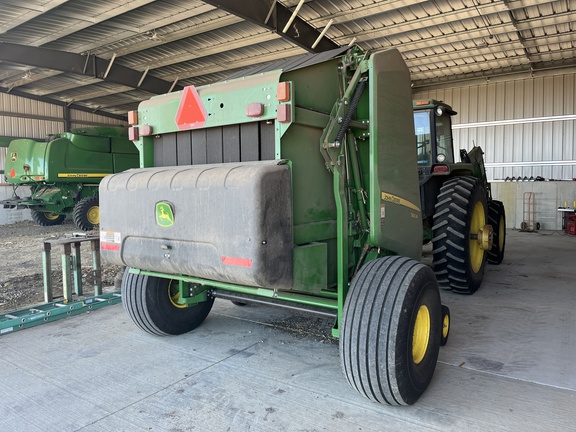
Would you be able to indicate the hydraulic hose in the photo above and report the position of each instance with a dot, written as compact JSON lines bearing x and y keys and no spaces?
{"x":353,"y":105}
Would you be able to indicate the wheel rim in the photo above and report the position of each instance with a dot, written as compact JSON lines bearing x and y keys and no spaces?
{"x":51,"y":216}
{"x":501,"y":234}
{"x":174,"y":294}
{"x":93,"y":215}
{"x":421,"y":334}
{"x":477,"y":223}
{"x":445,"y":326}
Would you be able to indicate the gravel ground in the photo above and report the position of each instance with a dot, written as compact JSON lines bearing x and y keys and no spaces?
{"x":21,"y":279}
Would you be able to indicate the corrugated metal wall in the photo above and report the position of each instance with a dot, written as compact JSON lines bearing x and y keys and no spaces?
{"x":22,"y":117}
{"x":83,"y":119}
{"x":525,"y":126}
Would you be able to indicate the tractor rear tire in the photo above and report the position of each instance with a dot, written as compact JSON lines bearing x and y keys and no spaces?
{"x":87,"y":213}
{"x":497,"y":218}
{"x":47,"y":218}
{"x":151,"y":302}
{"x":460,"y":212}
{"x":390,"y":330}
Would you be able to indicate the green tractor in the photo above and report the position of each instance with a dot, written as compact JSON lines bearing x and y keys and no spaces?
{"x":64,"y":172}
{"x":466,"y":226}
{"x":296,"y":187}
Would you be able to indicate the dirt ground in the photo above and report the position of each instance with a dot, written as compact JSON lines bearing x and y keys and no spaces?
{"x":22,"y":286}
{"x":21,"y":279}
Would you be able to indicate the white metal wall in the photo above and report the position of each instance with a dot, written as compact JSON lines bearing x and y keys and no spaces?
{"x":526,"y":126}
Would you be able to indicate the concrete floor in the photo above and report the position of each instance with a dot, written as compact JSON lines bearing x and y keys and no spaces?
{"x":509,"y":365}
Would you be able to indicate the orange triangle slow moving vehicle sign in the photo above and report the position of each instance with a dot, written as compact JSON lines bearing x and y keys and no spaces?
{"x":191,"y":113}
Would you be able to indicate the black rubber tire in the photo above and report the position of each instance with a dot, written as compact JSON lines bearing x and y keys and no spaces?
{"x":377,"y":330}
{"x":497,"y":218}
{"x":147,"y":301}
{"x":453,"y":250}
{"x":446,"y":322}
{"x":47,"y":218}
{"x":86,"y":214}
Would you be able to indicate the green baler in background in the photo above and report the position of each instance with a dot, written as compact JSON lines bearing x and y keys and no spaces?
{"x":64,"y":172}
{"x":298,"y":187}
{"x":466,"y":226}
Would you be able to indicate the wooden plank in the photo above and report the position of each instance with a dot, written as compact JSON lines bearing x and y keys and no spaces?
{"x":199,"y":147}
{"x":267,"y":141}
{"x":249,"y":142}
{"x":184,"y":147}
{"x":214,"y":145}
{"x":231,"y":143}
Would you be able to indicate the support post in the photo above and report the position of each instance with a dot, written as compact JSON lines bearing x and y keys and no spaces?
{"x":66,"y":276}
{"x":47,"y":271}
{"x":77,"y":268}
{"x":96,"y":269}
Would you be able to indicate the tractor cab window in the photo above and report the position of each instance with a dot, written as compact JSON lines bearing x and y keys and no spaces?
{"x":444,"y":137}
{"x":423,"y":136}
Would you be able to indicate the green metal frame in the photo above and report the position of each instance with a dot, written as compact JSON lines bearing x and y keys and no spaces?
{"x":41,"y":314}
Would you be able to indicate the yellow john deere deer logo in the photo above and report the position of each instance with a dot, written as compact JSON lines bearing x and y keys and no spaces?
{"x":164,"y":214}
{"x":13,"y":157}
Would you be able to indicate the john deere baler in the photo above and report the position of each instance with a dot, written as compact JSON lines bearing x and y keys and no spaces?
{"x":295,"y":186}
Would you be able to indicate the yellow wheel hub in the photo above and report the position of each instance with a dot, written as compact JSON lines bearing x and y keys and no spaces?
{"x":93,"y":215}
{"x":174,"y":294}
{"x":445,"y":326}
{"x":421,"y":334}
{"x":480,"y":237}
{"x":51,"y":216}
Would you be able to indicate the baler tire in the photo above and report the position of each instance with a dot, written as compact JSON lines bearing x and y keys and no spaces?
{"x":497,"y":218}
{"x":148,"y":302}
{"x":391,"y":329}
{"x":460,"y":211}
{"x":87,"y":213}
{"x":47,"y":218}
{"x":445,"y":325}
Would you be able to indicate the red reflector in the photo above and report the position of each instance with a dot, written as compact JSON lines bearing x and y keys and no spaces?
{"x":191,"y":113}
{"x":12,"y":173}
{"x":240,"y":262}
{"x":145,"y":130}
{"x":254,"y":109}
{"x":422,"y":102}
{"x":439,"y":169}
{"x":133,"y":133}
{"x":283,"y":113}
{"x":110,"y":246}
{"x":132,"y":118}
{"x":283,"y":91}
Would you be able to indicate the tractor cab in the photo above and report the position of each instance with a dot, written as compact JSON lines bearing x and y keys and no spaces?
{"x":433,"y":128}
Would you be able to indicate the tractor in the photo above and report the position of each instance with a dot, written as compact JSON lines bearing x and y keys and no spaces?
{"x":466,"y":226}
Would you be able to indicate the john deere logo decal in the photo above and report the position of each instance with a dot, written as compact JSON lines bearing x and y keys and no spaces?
{"x":164,"y":214}
{"x":13,"y":157}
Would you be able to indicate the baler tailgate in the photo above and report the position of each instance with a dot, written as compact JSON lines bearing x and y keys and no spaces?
{"x":226,"y":222}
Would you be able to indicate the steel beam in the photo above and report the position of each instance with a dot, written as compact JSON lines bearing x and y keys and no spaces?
{"x":274,"y":16}
{"x":87,"y":65}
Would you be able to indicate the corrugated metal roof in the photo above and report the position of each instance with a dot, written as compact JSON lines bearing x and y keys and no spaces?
{"x":195,"y":43}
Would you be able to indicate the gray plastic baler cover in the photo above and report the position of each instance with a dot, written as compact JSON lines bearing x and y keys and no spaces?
{"x":227,"y":222}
